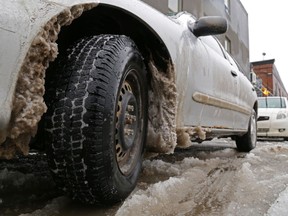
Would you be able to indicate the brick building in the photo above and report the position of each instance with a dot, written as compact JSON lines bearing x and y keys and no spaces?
{"x":268,"y":78}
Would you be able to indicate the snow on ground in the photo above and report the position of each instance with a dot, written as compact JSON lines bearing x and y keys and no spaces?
{"x":279,"y":207}
{"x":223,"y":183}
{"x":202,"y":180}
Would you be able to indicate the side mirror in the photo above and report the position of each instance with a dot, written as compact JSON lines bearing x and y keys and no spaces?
{"x":209,"y":25}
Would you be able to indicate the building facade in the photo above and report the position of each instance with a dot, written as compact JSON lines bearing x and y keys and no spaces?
{"x":236,"y":39}
{"x":269,"y":82}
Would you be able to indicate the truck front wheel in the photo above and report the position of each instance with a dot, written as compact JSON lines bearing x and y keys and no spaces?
{"x":97,"y":118}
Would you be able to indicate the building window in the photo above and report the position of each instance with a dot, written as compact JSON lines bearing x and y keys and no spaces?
{"x":175,"y":5}
{"x":227,"y":44}
{"x":227,"y":6}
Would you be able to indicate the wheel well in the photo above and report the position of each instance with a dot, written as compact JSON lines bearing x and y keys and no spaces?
{"x":161,"y":75}
{"x":162,"y":92}
{"x":105,"y":19}
{"x":55,"y":36}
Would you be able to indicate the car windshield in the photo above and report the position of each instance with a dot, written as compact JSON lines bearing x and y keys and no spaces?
{"x":271,"y":103}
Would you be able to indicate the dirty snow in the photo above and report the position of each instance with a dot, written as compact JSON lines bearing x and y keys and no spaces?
{"x":162,"y":110}
{"x":28,"y":103}
{"x":220,"y":183}
{"x":206,"y":179}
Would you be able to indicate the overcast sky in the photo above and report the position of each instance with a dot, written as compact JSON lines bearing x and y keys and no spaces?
{"x":267,"y":33}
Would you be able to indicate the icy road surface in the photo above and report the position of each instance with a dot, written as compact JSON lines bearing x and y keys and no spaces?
{"x":211,"y":178}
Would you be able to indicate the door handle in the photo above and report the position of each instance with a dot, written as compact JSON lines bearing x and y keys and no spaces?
{"x":234,"y":73}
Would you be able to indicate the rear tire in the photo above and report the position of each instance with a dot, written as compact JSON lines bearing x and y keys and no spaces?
{"x":247,"y":142}
{"x":97,"y":119}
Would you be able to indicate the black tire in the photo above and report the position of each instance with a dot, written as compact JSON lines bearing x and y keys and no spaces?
{"x":97,"y":119}
{"x":248,"y":141}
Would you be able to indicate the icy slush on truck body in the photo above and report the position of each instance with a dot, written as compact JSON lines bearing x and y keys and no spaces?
{"x":116,"y":82}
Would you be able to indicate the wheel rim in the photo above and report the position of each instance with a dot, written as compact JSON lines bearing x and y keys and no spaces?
{"x":253,"y":130}
{"x":128,"y":130}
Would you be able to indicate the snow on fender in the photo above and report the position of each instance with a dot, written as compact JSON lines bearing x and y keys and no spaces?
{"x":28,"y":32}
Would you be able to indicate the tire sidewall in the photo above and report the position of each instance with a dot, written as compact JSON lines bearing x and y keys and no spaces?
{"x":253,"y":124}
{"x":128,"y":59}
{"x":246,"y":142}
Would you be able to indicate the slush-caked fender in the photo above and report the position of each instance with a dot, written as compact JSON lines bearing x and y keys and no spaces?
{"x":28,"y":34}
{"x":20,"y":23}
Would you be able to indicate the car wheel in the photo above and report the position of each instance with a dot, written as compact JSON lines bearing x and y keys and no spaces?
{"x":97,"y":119}
{"x":247,"y":142}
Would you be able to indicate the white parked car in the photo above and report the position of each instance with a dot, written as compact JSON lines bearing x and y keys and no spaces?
{"x":272,"y":117}
{"x":100,"y":81}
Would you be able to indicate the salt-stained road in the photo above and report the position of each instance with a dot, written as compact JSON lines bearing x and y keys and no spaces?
{"x":211,"y":178}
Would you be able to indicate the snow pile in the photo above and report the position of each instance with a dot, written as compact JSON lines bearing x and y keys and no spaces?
{"x":226,"y":183}
{"x":160,"y":197}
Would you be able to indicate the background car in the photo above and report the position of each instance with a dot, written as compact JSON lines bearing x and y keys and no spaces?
{"x":101,"y":81}
{"x":273,"y":117}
